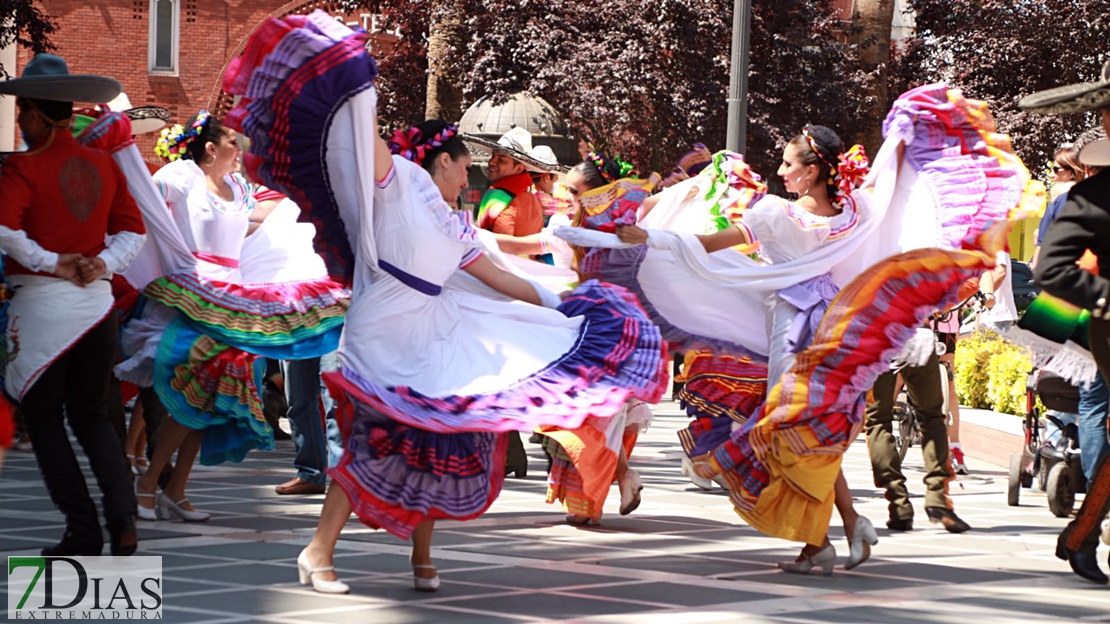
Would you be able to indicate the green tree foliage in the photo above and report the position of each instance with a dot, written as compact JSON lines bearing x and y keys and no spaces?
{"x":22,"y":22}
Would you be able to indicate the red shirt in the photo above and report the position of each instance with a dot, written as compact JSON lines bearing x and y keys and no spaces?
{"x":66,"y":197}
{"x":508,"y":207}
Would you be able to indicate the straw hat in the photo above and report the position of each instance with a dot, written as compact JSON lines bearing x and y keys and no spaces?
{"x":517,"y":143}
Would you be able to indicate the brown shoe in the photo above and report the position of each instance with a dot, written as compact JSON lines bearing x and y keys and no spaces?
{"x":297,"y":486}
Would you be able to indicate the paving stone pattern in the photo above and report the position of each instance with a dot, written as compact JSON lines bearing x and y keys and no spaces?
{"x":683,"y":557}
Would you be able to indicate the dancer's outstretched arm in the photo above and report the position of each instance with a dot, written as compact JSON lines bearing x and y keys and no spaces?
{"x":726,"y":238}
{"x":506,"y":283}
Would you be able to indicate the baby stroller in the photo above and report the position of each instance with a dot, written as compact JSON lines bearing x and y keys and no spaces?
{"x":1052,"y":460}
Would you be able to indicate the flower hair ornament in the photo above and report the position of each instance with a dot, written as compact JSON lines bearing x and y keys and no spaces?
{"x":173,"y":143}
{"x":599,"y":162}
{"x":851,"y":171}
{"x":846,"y":174}
{"x":410,"y":143}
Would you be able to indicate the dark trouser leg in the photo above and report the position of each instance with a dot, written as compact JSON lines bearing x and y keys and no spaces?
{"x":1082,"y":533}
{"x":87,"y":396}
{"x":43,"y":415}
{"x":516,"y":458}
{"x":302,"y":391}
{"x":115,"y":394}
{"x":924,"y":390}
{"x":153,"y":415}
{"x":886,"y":465}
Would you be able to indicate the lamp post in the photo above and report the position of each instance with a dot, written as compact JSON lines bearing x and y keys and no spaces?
{"x":738,"y":81}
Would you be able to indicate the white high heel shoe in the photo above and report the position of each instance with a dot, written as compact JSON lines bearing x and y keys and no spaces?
{"x":824,"y":559}
{"x":424,"y":584}
{"x":630,"y":487}
{"x":307,"y":575}
{"x":859,"y":547}
{"x":166,"y":508}
{"x":143,"y":512}
{"x":691,"y":474}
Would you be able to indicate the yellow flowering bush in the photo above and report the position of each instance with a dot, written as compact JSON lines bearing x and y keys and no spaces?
{"x":991,"y":372}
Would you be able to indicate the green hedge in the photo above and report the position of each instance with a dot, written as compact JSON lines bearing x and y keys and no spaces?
{"x":991,"y":372}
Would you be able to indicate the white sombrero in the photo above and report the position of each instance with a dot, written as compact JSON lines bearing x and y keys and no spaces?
{"x":546,"y":155}
{"x":517,"y":143}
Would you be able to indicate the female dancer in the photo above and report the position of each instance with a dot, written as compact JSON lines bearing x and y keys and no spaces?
{"x":782,"y":466}
{"x":423,"y":426}
{"x":585,"y":461}
{"x":202,"y":329}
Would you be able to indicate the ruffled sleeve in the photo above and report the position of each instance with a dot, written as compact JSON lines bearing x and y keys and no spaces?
{"x":175,"y":179}
{"x":734,"y":188}
{"x":409,"y":187}
{"x":765,"y":220}
{"x":244,"y":197}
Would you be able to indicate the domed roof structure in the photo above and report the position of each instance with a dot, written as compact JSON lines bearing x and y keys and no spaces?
{"x":534,"y":114}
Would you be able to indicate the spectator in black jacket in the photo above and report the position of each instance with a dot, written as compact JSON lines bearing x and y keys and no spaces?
{"x":1084,"y":223}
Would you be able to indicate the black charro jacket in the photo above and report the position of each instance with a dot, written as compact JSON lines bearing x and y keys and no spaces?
{"x":1084,"y":223}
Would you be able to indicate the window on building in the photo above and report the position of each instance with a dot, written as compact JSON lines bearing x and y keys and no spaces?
{"x":164,"y":29}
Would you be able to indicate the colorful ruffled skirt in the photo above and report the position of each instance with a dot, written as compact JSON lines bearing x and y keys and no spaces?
{"x":416,"y":455}
{"x":584,"y":460}
{"x":410,"y":458}
{"x":720,"y":393}
{"x":949,"y":199}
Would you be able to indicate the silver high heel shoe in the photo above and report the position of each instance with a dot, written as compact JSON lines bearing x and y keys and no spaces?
{"x":691,"y":474}
{"x":424,"y":584}
{"x":166,"y":508}
{"x":307,"y":576}
{"x":859,"y":547}
{"x":824,"y":559}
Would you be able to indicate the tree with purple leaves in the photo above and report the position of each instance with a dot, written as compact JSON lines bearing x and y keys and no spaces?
{"x":642,"y":79}
{"x":1001,"y":50}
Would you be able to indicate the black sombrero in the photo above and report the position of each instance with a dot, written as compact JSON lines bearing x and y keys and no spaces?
{"x":47,"y":77}
{"x":1074,"y":98}
{"x":144,"y":119}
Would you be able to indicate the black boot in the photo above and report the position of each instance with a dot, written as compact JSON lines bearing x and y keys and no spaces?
{"x":948,"y":518}
{"x":73,"y":546}
{"x":1085,"y":564}
{"x":124,"y":539}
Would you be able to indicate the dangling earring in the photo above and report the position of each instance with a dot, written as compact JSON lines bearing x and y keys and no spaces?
{"x":211,"y":161}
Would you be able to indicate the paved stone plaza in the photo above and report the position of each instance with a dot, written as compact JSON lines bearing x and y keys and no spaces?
{"x":683,"y":557}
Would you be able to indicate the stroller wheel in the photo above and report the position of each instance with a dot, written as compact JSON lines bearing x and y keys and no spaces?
{"x":1061,"y":490}
{"x":1013,"y":489}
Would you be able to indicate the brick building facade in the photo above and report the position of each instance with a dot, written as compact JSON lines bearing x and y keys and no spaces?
{"x":168,"y":53}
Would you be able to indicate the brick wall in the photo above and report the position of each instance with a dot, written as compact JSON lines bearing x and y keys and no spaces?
{"x":111,"y":38}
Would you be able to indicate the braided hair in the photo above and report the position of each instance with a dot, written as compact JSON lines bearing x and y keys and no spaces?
{"x":596,"y":171}
{"x":599,"y":170}
{"x":190,"y":142}
{"x":820,"y":146}
{"x":424,"y":142}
